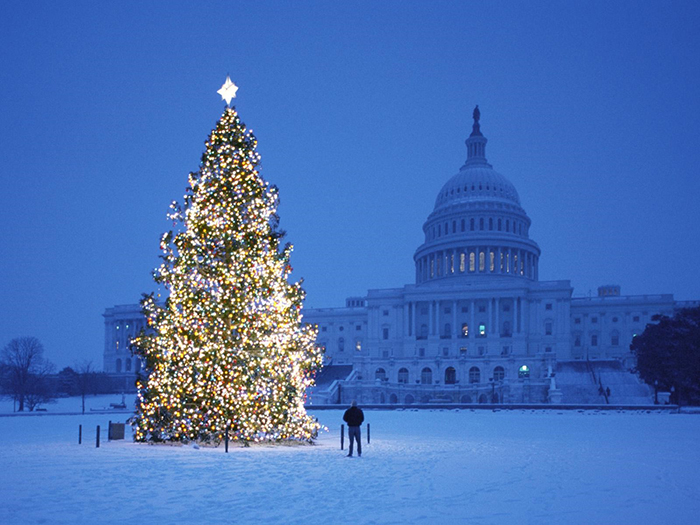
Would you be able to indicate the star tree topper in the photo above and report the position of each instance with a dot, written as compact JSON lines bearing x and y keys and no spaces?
{"x":228,"y":90}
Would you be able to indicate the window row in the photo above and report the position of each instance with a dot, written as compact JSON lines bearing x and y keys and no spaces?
{"x":594,"y":319}
{"x":127,"y":365}
{"x":450,"y":375}
{"x":477,"y":260}
{"x":477,"y":224}
{"x":595,"y":339}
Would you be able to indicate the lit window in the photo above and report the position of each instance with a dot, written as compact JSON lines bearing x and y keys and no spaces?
{"x":452,"y":263}
{"x":472,"y":257}
{"x":432,"y":268}
{"x":358,"y":345}
{"x":492,"y":261}
{"x":462,"y":261}
{"x":482,"y":330}
{"x":524,"y":371}
{"x":465,"y":330}
{"x":501,"y":262}
{"x":482,"y":261}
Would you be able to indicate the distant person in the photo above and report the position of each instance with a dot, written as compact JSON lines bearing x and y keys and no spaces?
{"x":354,"y":417}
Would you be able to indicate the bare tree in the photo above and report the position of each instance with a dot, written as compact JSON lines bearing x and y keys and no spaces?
{"x":86,"y":380}
{"x":25,"y":371}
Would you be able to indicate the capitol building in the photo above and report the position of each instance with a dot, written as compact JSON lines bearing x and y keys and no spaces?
{"x":476,"y":326}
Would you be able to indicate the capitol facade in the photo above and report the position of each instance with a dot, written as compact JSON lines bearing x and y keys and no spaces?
{"x":477,"y":326}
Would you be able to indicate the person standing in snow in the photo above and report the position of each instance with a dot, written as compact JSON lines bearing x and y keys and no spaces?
{"x":354,"y":417}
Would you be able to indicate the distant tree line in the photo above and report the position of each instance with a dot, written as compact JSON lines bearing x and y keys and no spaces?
{"x":28,"y":378}
{"x":668,"y":355}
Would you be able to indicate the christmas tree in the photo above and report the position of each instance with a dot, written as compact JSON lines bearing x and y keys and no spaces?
{"x":227,"y":351}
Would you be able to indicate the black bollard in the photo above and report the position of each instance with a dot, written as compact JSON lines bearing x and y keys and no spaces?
{"x":226,"y":441}
{"x":368,"y":433}
{"x":109,"y":431}
{"x":97,"y":437}
{"x":80,"y":434}
{"x":342,"y":436}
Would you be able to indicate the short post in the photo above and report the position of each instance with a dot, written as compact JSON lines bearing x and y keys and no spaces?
{"x":342,"y":436}
{"x":109,"y":431}
{"x":80,"y":434}
{"x":97,"y":437}
{"x":368,"y":433}
{"x":226,"y":440}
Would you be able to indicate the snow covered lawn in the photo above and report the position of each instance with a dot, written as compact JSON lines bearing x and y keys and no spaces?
{"x":421,"y":467}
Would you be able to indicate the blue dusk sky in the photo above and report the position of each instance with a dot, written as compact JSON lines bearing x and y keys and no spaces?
{"x":361,"y":110}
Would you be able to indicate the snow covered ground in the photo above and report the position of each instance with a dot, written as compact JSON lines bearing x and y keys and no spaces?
{"x":421,"y":467}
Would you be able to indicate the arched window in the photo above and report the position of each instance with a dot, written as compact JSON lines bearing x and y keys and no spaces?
{"x":393,"y":399}
{"x":341,"y":344}
{"x":483,"y":399}
{"x":481,"y":223}
{"x":403,"y":375}
{"x":472,"y":261}
{"x":137,"y":365}
{"x":119,"y":365}
{"x":524,"y":371}
{"x":490,"y":223}
{"x":380,"y":374}
{"x":462,"y":224}
{"x":409,"y":399}
{"x":466,"y":398}
{"x":471,"y":224}
{"x":492,"y":261}
{"x":615,"y":338}
{"x":548,"y":328}
{"x":447,"y":332}
{"x":482,"y":261}
{"x":474,"y":375}
{"x":127,"y":365}
{"x":462,"y":261}
{"x":499,"y":225}
{"x":426,"y":376}
{"x":454,"y":226}
{"x":499,"y":373}
{"x":450,"y":376}
{"x":508,"y":225}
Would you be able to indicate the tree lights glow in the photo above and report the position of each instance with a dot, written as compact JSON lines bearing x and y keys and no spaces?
{"x":228,"y":349}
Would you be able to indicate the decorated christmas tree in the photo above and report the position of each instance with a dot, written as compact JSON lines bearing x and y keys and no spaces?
{"x":227,"y":351}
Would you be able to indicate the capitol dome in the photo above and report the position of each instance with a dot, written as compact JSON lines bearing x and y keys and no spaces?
{"x":478,"y":227}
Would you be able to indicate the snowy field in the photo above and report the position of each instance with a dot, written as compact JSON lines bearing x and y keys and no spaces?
{"x":439,"y":467}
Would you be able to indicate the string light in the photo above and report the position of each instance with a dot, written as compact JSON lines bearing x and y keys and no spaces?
{"x":228,"y":349}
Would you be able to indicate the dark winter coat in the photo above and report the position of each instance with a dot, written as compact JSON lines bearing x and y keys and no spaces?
{"x":353,"y":417}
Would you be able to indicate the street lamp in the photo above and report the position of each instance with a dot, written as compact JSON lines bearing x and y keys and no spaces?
{"x":656,"y":391}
